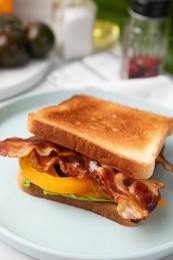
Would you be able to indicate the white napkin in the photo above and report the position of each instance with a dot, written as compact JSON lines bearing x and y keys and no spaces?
{"x":158,"y":90}
{"x":9,"y":253}
{"x":102,"y":71}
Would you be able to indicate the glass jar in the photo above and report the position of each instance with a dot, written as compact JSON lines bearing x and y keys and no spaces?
{"x":145,"y":42}
{"x":168,"y":63}
{"x":73,"y":25}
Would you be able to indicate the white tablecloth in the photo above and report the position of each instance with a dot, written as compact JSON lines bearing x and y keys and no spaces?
{"x":100,"y":71}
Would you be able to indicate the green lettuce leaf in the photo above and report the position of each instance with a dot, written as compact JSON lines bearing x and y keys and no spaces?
{"x":72,"y":196}
{"x":26,"y":183}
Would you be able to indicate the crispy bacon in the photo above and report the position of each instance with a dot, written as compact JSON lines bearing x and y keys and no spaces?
{"x":18,"y":147}
{"x":166,"y":165}
{"x":135,"y":198}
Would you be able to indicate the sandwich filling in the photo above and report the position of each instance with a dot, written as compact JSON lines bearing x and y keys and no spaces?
{"x":61,"y":171}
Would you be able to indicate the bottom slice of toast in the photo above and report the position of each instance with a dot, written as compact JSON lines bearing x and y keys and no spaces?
{"x":104,"y":209}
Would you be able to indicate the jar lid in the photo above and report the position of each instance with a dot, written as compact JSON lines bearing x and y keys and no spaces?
{"x":150,"y":8}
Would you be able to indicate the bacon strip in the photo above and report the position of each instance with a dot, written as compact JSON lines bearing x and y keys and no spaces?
{"x":166,"y":165}
{"x":18,"y":147}
{"x":135,"y":198}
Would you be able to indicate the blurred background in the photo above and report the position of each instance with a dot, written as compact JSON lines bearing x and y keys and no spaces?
{"x":117,"y":12}
{"x":73,"y":31}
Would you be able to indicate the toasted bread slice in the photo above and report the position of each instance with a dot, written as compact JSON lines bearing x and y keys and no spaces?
{"x":126,"y":138}
{"x":104,"y":209}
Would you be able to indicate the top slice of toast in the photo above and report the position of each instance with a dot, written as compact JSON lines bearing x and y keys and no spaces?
{"x":125,"y":138}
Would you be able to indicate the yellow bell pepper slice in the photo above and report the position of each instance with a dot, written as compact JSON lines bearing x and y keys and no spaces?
{"x":162,"y":203}
{"x":66,"y":185}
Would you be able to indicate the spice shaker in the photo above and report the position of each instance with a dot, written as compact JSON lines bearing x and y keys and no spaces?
{"x":74,"y":22}
{"x":145,"y":42}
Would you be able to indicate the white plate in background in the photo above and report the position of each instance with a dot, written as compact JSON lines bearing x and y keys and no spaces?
{"x":14,"y":81}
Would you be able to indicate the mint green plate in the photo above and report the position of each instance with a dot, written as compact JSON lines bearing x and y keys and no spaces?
{"x":48,"y":230}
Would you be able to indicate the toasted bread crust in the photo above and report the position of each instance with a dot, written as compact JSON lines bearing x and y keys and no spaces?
{"x":125,"y":138}
{"x":104,"y":209}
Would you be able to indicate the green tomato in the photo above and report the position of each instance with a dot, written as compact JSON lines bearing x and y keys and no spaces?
{"x":12,"y":49}
{"x":12,"y":52}
{"x":39,"y":39}
{"x":10,"y":22}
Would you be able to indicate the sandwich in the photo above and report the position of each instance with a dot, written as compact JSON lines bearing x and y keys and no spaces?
{"x":93,"y":154}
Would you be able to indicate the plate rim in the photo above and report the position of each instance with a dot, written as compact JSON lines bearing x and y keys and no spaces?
{"x":17,"y":241}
